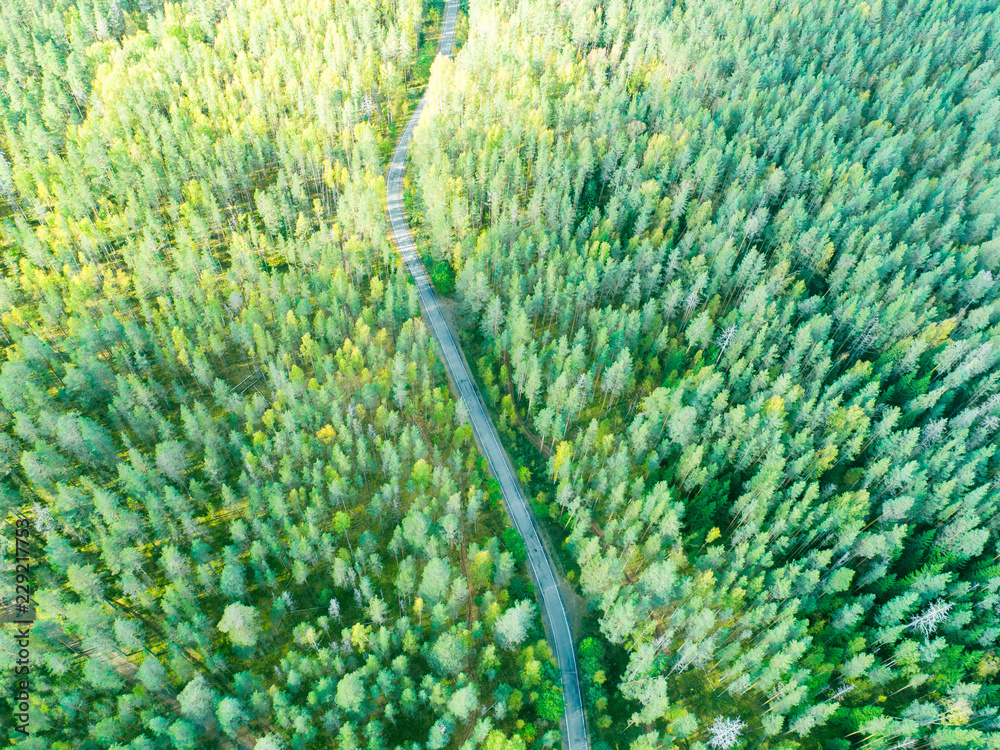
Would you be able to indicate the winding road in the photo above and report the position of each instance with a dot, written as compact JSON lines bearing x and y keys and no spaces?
{"x":542,"y":571}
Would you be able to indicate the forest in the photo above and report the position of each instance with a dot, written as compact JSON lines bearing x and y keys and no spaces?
{"x":259,"y":519}
{"x":728,"y":273}
{"x":725,"y":274}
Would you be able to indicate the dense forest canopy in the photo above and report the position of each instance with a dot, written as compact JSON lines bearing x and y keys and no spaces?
{"x":727,"y":277}
{"x":730,"y":273}
{"x":259,"y":517}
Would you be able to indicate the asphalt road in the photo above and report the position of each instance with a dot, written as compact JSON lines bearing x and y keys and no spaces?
{"x":542,"y":571}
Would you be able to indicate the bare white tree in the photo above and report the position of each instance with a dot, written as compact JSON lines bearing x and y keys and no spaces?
{"x":937,"y":613}
{"x":726,"y":732}
{"x":842,"y":691}
{"x":933,"y":432}
{"x":367,"y":104}
{"x":691,"y":301}
{"x":724,"y":339}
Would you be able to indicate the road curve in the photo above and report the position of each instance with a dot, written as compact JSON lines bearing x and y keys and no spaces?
{"x":542,"y":571}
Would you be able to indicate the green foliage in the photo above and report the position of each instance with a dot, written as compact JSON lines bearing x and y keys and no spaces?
{"x":253,"y":498}
{"x":734,"y":303}
{"x":731,"y":279}
{"x":550,"y":705}
{"x":515,"y":545}
{"x":443,"y":278}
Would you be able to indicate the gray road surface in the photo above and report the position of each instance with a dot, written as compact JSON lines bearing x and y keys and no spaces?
{"x":542,"y":572}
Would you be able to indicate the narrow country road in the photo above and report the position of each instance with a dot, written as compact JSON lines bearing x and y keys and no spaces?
{"x":542,"y":571}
